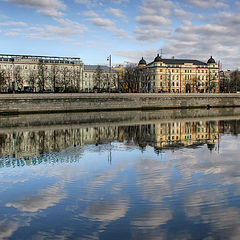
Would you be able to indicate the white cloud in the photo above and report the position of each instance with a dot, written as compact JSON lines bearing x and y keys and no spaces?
{"x":116,"y":13}
{"x":52,"y":8}
{"x":13,"y":23}
{"x":156,"y":7}
{"x":109,"y":25}
{"x":102,"y":22}
{"x":151,"y":34}
{"x":208,"y":3}
{"x":153,"y":20}
{"x":66,"y":29}
{"x":90,"y":14}
{"x":11,"y":34}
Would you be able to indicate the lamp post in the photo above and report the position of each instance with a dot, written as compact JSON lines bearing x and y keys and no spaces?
{"x":110,"y":71}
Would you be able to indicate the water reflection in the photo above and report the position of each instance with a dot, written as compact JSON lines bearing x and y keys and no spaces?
{"x":165,"y":135}
{"x":171,"y":179}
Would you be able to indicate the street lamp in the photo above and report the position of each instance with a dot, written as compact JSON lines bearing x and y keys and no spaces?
{"x":110,"y":70}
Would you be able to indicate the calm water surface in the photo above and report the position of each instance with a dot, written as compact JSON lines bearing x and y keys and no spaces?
{"x":171,"y":179}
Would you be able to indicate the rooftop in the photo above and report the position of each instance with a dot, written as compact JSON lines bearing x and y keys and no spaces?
{"x":180,"y":61}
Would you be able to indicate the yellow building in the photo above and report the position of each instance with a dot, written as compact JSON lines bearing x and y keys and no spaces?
{"x":182,"y":75}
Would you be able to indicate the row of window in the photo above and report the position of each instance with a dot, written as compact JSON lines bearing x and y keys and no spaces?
{"x":188,"y":71}
{"x":34,"y":67}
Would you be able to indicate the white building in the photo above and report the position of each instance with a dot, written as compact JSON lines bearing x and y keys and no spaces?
{"x":40,"y":73}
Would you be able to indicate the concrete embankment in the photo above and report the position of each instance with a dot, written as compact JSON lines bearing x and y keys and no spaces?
{"x":53,"y":103}
{"x":42,"y":122}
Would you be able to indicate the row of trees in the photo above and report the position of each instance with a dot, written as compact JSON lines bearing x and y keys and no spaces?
{"x":105,"y":81}
{"x":55,"y":79}
{"x":230,"y":84}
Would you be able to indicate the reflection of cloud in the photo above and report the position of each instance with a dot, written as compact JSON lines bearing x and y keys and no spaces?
{"x":154,"y":177}
{"x":107,"y":210}
{"x":9,"y":226}
{"x":42,"y":200}
{"x":199,"y":199}
{"x":152,"y":219}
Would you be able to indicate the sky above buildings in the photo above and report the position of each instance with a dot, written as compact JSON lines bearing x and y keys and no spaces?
{"x":126,"y":29}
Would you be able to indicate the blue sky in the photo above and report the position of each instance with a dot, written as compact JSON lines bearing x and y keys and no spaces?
{"x":126,"y":29}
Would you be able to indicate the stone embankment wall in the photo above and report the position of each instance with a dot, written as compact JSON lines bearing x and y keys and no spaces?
{"x":47,"y":103}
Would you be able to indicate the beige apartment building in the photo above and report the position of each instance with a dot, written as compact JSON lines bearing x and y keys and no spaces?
{"x":99,"y":77}
{"x":40,"y":73}
{"x":182,"y":75}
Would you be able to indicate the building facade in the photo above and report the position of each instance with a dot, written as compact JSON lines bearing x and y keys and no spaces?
{"x":40,"y":73}
{"x":181,"y":75}
{"x":99,"y":77}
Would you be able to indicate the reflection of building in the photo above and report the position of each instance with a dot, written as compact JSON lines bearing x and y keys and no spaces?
{"x":172,"y":134}
{"x":40,"y":73}
{"x":34,"y":143}
{"x":178,"y":133}
{"x":181,"y":75}
{"x":162,"y":135}
{"x":102,"y":77}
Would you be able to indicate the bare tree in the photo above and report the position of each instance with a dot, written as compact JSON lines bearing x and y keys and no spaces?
{"x":137,"y":80}
{"x":18,"y":78}
{"x":130,"y":79}
{"x":41,"y":76}
{"x":77,"y":78}
{"x":235,"y":81}
{"x":144,"y":76}
{"x":98,"y":77}
{"x":32,"y":80}
{"x":65,"y":78}
{"x":3,"y":80}
{"x":55,"y":77}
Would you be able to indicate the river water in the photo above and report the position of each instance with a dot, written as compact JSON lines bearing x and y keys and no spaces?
{"x":135,"y":175}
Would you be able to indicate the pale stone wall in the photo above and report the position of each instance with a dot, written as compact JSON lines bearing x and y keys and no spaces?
{"x":30,"y":103}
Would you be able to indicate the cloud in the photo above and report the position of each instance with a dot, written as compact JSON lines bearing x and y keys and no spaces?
{"x":153,"y":20}
{"x":90,"y":14}
{"x":116,"y":13}
{"x":11,"y":34}
{"x":119,"y":1}
{"x":207,"y":3}
{"x":151,"y":34}
{"x":102,"y":22}
{"x":108,"y":25}
{"x":97,"y":2}
{"x":66,"y":30}
{"x":156,"y":7}
{"x":52,"y":8}
{"x":13,"y":23}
